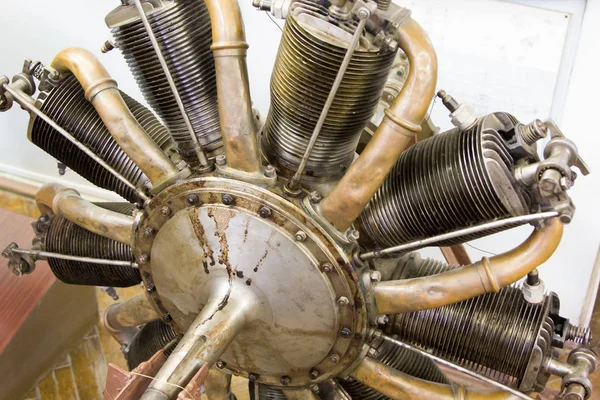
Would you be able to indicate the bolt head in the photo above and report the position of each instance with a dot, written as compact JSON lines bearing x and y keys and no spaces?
{"x":375,"y":276}
{"x":343,"y":301}
{"x":252,"y":376}
{"x":315,"y":197}
{"x":165,"y":211}
{"x":265,"y":212}
{"x":150,"y":287}
{"x":300,"y":236}
{"x":327,"y":267}
{"x":144,"y":258}
{"x":363,"y":13}
{"x":353,"y":235}
{"x":382,"y":320}
{"x":221,"y":160}
{"x":220,"y":364}
{"x":227,"y":199}
{"x":346,"y":332}
{"x":149,"y":231}
{"x":270,"y":171}
{"x":334,"y":358}
{"x":285,"y":380}
{"x":313,"y":374}
{"x":192,"y":199}
{"x":373,"y":352}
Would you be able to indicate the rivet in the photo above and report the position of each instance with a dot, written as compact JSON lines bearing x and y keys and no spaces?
{"x":285,"y":380}
{"x":227,"y":199}
{"x":300,"y":236}
{"x":264,"y":212}
{"x":313,"y":374}
{"x":346,"y":332}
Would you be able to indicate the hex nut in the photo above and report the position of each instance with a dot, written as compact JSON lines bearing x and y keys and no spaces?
{"x":334,"y":358}
{"x":382,"y":320}
{"x":313,"y":374}
{"x":315,"y":197}
{"x":149,"y":231}
{"x":264,"y":212}
{"x":165,"y":211}
{"x":144,"y":258}
{"x":221,"y":160}
{"x":192,"y":199}
{"x":270,"y":171}
{"x":346,"y":332}
{"x":300,"y":236}
{"x":343,"y":301}
{"x":285,"y":380}
{"x":327,"y":267}
{"x":227,"y":199}
{"x":375,"y":276}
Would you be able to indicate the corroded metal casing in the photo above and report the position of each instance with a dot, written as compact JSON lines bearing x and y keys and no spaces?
{"x":67,"y":106}
{"x":213,"y":230}
{"x":310,"y":55}
{"x":182,"y":29}
{"x":450,"y":181}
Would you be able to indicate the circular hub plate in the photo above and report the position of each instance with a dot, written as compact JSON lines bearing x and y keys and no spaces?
{"x":215,"y":228}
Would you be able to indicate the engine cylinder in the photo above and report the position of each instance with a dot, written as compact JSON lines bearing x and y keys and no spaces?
{"x":444,"y":183}
{"x":494,"y":334}
{"x":151,"y":338}
{"x":66,"y":105}
{"x":183,"y":31}
{"x":64,"y":237}
{"x":306,"y":66}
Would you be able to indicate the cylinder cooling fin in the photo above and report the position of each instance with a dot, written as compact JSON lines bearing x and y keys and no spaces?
{"x":304,"y":72}
{"x":67,"y":106}
{"x":64,"y":237}
{"x":151,"y":338}
{"x":182,"y":29}
{"x":494,"y":334}
{"x":450,"y":181}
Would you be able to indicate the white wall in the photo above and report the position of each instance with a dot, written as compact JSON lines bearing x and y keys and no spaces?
{"x":38,"y":29}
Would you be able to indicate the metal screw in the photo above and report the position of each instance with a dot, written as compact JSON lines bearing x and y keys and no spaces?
{"x":334,"y":358}
{"x":313,"y":374}
{"x":264,"y":212}
{"x":270,"y":171}
{"x":391,"y":44}
{"x":285,"y":380}
{"x":375,"y":276}
{"x":165,"y":211}
{"x":106,"y":47}
{"x":343,"y":301}
{"x":382,"y":320}
{"x":579,"y":334}
{"x":315,"y":197}
{"x":220,"y":364}
{"x":327,"y":267}
{"x":149,"y":231}
{"x":221,"y":159}
{"x":252,"y":376}
{"x":300,"y":236}
{"x":227,"y":199}
{"x":346,"y":332}
{"x":353,"y":235}
{"x":144,"y":258}
{"x":192,"y":199}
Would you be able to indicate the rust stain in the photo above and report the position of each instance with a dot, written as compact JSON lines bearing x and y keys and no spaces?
{"x":201,"y":235}
{"x":262,"y":259}
{"x":246,"y":229}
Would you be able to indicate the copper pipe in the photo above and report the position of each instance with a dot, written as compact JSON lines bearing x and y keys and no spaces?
{"x":101,"y":90}
{"x":395,"y":133}
{"x":233,"y":91}
{"x":399,"y":386}
{"x":56,"y":199}
{"x":485,"y":276}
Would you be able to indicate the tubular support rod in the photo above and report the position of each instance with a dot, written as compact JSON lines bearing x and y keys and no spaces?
{"x":453,"y":366}
{"x":46,"y":254}
{"x":485,"y":276}
{"x":101,"y":90}
{"x":395,"y":133}
{"x":293,"y":183}
{"x":57,"y":199}
{"x":233,"y":90}
{"x":167,"y":72}
{"x":229,"y":308}
{"x":403,"y":248}
{"x":399,"y":386}
{"x":26,"y":104}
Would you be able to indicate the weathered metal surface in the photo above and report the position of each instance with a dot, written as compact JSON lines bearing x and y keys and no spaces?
{"x":252,"y":240}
